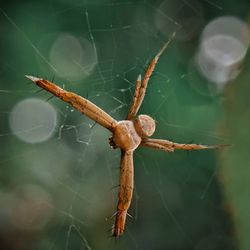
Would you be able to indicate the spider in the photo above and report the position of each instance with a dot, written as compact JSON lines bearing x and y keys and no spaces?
{"x":127,"y":134}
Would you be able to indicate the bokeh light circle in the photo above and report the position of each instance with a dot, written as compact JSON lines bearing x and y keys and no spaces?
{"x":223,"y":47}
{"x":74,"y":58}
{"x":33,"y":120}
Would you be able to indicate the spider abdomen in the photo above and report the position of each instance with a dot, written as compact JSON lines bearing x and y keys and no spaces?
{"x":144,"y":125}
{"x":125,"y":136}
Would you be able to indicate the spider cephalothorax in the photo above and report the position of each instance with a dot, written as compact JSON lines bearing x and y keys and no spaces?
{"x":126,"y":135}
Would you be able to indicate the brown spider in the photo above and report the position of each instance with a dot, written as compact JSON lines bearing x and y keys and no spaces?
{"x":126,"y":134}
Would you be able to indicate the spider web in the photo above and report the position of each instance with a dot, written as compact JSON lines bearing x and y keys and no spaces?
{"x":60,"y":193}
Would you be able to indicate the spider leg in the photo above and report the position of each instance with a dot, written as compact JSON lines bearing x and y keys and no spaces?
{"x":141,"y":86}
{"x":81,"y":104}
{"x":125,"y":191}
{"x":132,"y":111}
{"x":169,"y":146}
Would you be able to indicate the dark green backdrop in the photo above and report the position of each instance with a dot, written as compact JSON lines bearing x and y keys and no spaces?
{"x":58,"y":194}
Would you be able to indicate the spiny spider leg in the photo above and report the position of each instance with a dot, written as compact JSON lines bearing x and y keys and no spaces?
{"x":125,"y":191}
{"x":141,"y":86}
{"x":83,"y":105}
{"x":170,"y":146}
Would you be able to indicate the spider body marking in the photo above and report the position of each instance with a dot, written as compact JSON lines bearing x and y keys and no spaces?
{"x":127,"y":134}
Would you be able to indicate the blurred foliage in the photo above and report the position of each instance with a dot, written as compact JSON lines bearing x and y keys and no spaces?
{"x":57,"y":194}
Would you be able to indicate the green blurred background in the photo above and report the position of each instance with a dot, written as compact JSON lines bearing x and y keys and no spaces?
{"x":57,"y":193}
